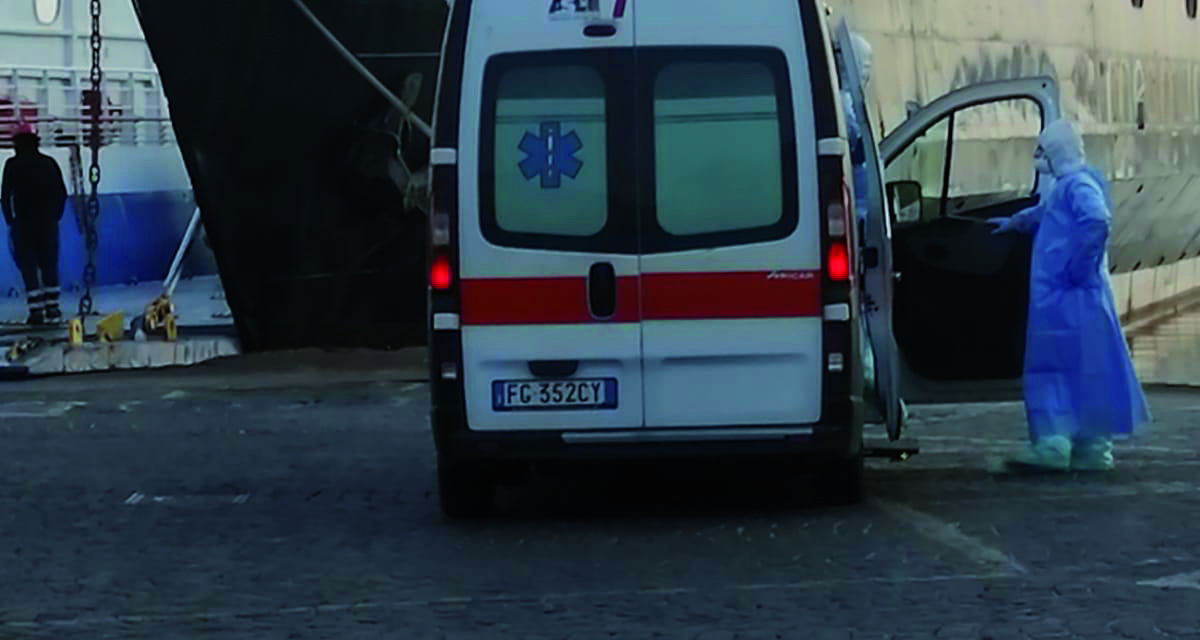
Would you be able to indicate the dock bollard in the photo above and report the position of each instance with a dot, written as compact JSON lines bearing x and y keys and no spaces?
{"x":75,"y":332}
{"x":111,"y":327}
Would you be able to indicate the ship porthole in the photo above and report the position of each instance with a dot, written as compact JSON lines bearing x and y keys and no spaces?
{"x":46,"y":11}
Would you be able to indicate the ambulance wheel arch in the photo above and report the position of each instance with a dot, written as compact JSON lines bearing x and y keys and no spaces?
{"x":961,"y":291}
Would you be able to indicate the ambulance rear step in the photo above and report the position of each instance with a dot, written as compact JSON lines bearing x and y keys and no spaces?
{"x":897,"y":451}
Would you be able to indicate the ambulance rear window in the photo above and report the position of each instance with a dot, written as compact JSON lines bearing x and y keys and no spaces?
{"x":550,"y":156}
{"x":717,"y":147}
{"x":720,"y":128}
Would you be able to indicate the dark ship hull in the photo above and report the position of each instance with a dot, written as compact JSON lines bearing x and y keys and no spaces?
{"x":291,"y":155}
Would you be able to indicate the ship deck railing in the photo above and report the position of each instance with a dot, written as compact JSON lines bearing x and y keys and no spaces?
{"x":134,"y":109}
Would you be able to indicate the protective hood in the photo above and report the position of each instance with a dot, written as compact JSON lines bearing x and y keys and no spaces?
{"x":862,"y":53}
{"x":1063,"y":148}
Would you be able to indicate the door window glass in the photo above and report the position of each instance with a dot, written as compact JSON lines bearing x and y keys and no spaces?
{"x":717,"y":145}
{"x":992,"y":152}
{"x":972,"y":157}
{"x":550,"y":158}
{"x":924,"y":162}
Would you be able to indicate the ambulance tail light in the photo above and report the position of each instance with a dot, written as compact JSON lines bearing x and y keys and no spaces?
{"x":445,"y":330}
{"x":835,"y":212}
{"x":837,"y":259}
{"x":840,"y":351}
{"x":443,"y":205}
{"x":441,"y":276}
{"x":838,"y":262}
{"x":840,"y":358}
{"x":439,"y":229}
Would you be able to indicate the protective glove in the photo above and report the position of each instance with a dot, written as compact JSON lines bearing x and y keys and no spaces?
{"x":1001,"y":224}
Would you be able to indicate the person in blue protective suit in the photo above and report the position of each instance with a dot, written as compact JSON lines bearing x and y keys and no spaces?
{"x":1081,"y":390}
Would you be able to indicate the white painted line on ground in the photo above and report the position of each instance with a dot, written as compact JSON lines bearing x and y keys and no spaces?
{"x":1119,"y":451}
{"x":1177,"y":581}
{"x":1069,"y":489}
{"x":980,"y":444}
{"x":949,"y":465}
{"x":138,"y":497}
{"x":947,"y":534}
{"x":189,"y":614}
{"x":53,"y":410}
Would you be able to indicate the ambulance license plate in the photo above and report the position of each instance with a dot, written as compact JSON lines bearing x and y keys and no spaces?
{"x":558,"y":395}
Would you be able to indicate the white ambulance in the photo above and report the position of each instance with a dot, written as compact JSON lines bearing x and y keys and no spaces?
{"x":641,"y":240}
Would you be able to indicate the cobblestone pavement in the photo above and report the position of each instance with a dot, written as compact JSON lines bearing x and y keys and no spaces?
{"x":302,"y":504}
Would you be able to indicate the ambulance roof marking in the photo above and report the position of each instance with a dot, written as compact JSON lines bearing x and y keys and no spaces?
{"x":574,"y":9}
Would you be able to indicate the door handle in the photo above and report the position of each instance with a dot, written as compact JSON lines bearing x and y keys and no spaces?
{"x":553,"y":368}
{"x":896,"y":276}
{"x":602,"y":291}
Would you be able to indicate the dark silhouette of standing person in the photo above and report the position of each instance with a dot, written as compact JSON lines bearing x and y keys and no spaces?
{"x":33,"y":197}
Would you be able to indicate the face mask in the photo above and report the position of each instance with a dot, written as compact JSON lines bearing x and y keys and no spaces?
{"x":1040,"y":162}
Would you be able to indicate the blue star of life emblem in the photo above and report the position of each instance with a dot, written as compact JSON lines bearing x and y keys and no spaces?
{"x":550,"y":155}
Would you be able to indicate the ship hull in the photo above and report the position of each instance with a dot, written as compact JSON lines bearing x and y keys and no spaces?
{"x":312,"y":249}
{"x":139,"y":231}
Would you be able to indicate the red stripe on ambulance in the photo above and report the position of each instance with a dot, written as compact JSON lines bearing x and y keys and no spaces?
{"x":745,"y":294}
{"x":499,"y":301}
{"x":668,"y":296}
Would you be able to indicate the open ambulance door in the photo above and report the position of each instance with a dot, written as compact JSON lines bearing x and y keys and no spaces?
{"x":960,"y":292}
{"x":875,"y":256}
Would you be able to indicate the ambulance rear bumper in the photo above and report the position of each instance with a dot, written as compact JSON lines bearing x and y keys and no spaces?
{"x":454,"y":439}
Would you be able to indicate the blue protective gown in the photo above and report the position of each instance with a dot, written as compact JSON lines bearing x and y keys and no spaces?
{"x":858,"y":156}
{"x":1079,"y":380}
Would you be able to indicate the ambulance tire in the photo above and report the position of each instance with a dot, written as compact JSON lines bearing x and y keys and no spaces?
{"x":846,"y":481}
{"x":465,"y":490}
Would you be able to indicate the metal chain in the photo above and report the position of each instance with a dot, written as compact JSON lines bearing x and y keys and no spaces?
{"x":92,"y":216}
